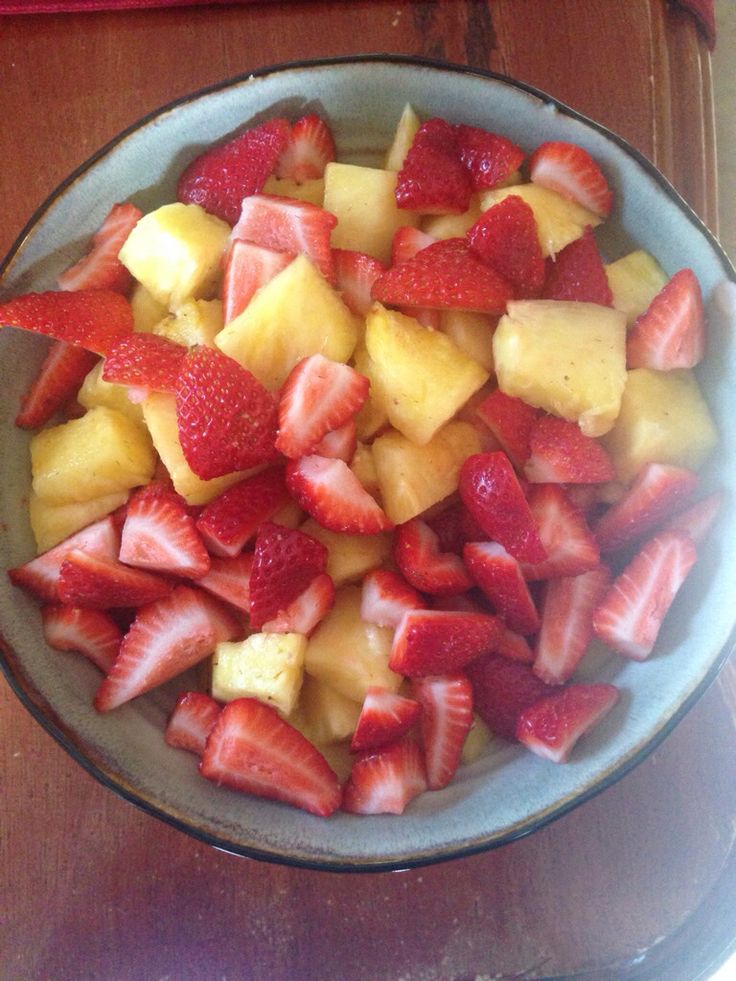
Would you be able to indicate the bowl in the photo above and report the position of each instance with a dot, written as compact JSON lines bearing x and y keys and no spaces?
{"x":508,"y":792}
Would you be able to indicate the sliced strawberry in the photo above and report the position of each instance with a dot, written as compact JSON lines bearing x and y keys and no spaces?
{"x":318,"y":396}
{"x":229,"y":580}
{"x":671,"y":332}
{"x":511,"y":421}
{"x":502,"y":689}
{"x":330,"y":492}
{"x":570,"y":544}
{"x":447,"y":715}
{"x":567,"y":623}
{"x":577,"y":273}
{"x":144,"y":360}
{"x":227,"y":419}
{"x":191,"y":721}
{"x":697,"y":520}
{"x":247,"y":268}
{"x":571,"y":171}
{"x":159,"y":534}
{"x":339,"y":444}
{"x":384,"y":718}
{"x":355,"y":274}
{"x":385,"y":780}
{"x":92,"y":633}
{"x":445,"y":275}
{"x":310,"y":148}
{"x":433,"y":179}
{"x":285,"y":562}
{"x":61,"y":373}
{"x":455,"y":527}
{"x":501,"y":579}
{"x":631,"y":613}
{"x":441,"y":642}
{"x":424,"y":566}
{"x":230,"y":520}
{"x":166,"y":637}
{"x":100,"y":268}
{"x":304,"y":613}
{"x":386,"y":597}
{"x":223,"y":175}
{"x":562,"y":454}
{"x":506,"y":237}
{"x":552,"y":726}
{"x":104,"y":584}
{"x":252,"y":749}
{"x":407,"y":241}
{"x":488,"y":157}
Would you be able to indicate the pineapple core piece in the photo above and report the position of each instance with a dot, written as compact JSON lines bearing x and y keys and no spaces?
{"x":269,"y":667}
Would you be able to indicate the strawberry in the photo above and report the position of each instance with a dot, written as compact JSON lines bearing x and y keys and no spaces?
{"x":247,"y":268}
{"x":285,"y":562}
{"x":500,"y":577}
{"x":144,"y":360}
{"x":384,"y":718}
{"x":385,"y":780}
{"x":339,"y":444}
{"x":506,"y":237}
{"x":570,"y":545}
{"x":92,"y":319}
{"x":304,"y":613}
{"x":571,"y":171}
{"x":511,"y":421}
{"x":577,"y":273}
{"x":447,"y":714}
{"x":227,"y":419}
{"x":424,"y":566}
{"x":252,"y":749}
{"x":441,"y":642}
{"x":630,"y":615}
{"x":445,"y":275}
{"x":407,"y":241}
{"x":318,"y":396}
{"x":223,"y":175}
{"x":191,"y":721}
{"x":491,"y":492}
{"x":502,"y":689}
{"x":229,"y":579}
{"x":386,"y":597}
{"x":560,"y":453}
{"x":508,"y":643}
{"x":671,"y":331}
{"x":103,"y":584}
{"x":230,"y":520}
{"x":433,"y":179}
{"x":567,"y":623}
{"x":100,"y":268}
{"x":288,"y":225}
{"x":330,"y":492}
{"x":488,"y":157}
{"x":92,"y":633}
{"x":697,"y":520}
{"x":308,"y":151}
{"x":166,"y":637}
{"x":62,"y":372}
{"x":455,"y":527}
{"x":552,"y":726}
{"x":355,"y":274}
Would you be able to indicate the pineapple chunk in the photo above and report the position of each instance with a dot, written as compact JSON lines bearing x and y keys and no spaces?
{"x":476,"y":742}
{"x":294,"y":315}
{"x":453,"y":226}
{"x":472,"y":333}
{"x":372,"y":415}
{"x":96,"y":391}
{"x":559,"y":220}
{"x":176,"y":252}
{"x":268,"y":667}
{"x":422,"y":375}
{"x":194,"y":322}
{"x":102,"y":453}
{"x":363,"y":201}
{"x":312,"y":191}
{"x":52,"y":523}
{"x":349,"y":557}
{"x":635,"y":280}
{"x":146,"y":311}
{"x":663,"y":419}
{"x":565,"y":357}
{"x":413,"y":478}
{"x":325,"y":714}
{"x":364,"y":468}
{"x":406,"y":130}
{"x":349,"y":654}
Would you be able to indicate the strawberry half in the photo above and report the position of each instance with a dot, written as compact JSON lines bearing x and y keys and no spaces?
{"x":61,"y":373}
{"x":309,"y":149}
{"x":697,"y":520}
{"x":339,"y":444}
{"x":511,"y":421}
{"x":454,"y":528}
{"x":285,"y":562}
{"x":501,"y":579}
{"x":229,"y":580}
{"x":671,"y":332}
{"x":100,"y":268}
{"x":92,"y":633}
{"x":552,"y":726}
{"x":247,"y":268}
{"x":304,"y":613}
{"x":191,"y":721}
{"x":560,"y":453}
{"x":355,"y":274}
{"x":104,"y":584}
{"x":424,"y":566}
{"x":407,"y":241}
{"x":252,"y":749}
{"x":506,"y":237}
{"x":385,"y":780}
{"x":433,"y":179}
{"x":570,"y":544}
{"x":441,"y":641}
{"x":384,"y":718}
{"x":144,"y":360}
{"x":488,"y":157}
{"x":386,"y":597}
{"x":571,"y":171}
{"x":329,"y":491}
{"x":502,"y":689}
{"x":447,"y":715}
{"x":577,"y":273}
{"x":230,"y":520}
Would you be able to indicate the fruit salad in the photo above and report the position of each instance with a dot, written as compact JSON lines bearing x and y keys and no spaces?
{"x":382,"y":451}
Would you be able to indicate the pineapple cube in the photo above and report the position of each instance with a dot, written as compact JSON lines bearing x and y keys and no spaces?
{"x":145,"y":309}
{"x":312,"y":191}
{"x":413,"y":478}
{"x":559,"y":220}
{"x":664,"y":419}
{"x":104,"y":452}
{"x":52,"y":523}
{"x":326,"y":714}
{"x":268,"y":667}
{"x":472,"y":333}
{"x":294,"y":315}
{"x":635,"y":279}
{"x":364,"y":468}
{"x":453,"y":226}
{"x":476,"y":742}
{"x":96,"y":391}
{"x":372,"y":415}
{"x":422,"y":375}
{"x":193,"y":322}
{"x":364,"y":202}
{"x":406,"y":129}
{"x":176,"y":252}
{"x":565,"y":357}
{"x":349,"y":557}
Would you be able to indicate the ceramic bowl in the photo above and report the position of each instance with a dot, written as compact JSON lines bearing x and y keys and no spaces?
{"x":509,"y":792}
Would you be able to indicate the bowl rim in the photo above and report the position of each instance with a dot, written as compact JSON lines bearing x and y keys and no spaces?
{"x":34,"y":702}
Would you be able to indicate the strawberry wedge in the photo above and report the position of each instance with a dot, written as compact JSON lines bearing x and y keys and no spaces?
{"x":424,"y":565}
{"x":501,"y":579}
{"x":159,"y":534}
{"x":92,"y":633}
{"x":385,"y":717}
{"x":502,"y":690}
{"x":433,"y":179}
{"x":100,"y":268}
{"x":144,"y":360}
{"x":61,"y":373}
{"x":309,"y":149}
{"x":285,"y":561}
{"x":229,"y":521}
{"x":386,"y":597}
{"x":551,"y":727}
{"x":385,"y":780}
{"x":191,"y":721}
{"x":572,"y":172}
{"x":447,"y":715}
{"x":248,"y":267}
{"x":104,"y":584}
{"x":92,"y":319}
{"x":441,"y":641}
{"x":329,"y":491}
{"x":671,"y":332}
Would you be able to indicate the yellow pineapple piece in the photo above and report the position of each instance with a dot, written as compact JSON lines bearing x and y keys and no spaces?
{"x":406,"y":130}
{"x":372,"y":415}
{"x":364,"y":468}
{"x":294,"y":315}
{"x":176,"y":252}
{"x":193,"y":322}
{"x":472,"y":333}
{"x":559,"y":221}
{"x":96,"y":391}
{"x":268,"y":667}
{"x":635,"y":279}
{"x":325,"y":714}
{"x":476,"y":742}
{"x":147,"y":311}
{"x":349,"y":557}
{"x":453,"y":226}
{"x":289,"y":515}
{"x":104,"y":452}
{"x":52,"y":523}
{"x":565,"y":357}
{"x":312,"y":191}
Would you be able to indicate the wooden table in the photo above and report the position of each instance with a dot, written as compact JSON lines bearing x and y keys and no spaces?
{"x":639,"y":882}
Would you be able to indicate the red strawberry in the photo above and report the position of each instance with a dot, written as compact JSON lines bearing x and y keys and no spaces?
{"x":230,"y":520}
{"x":489,"y":158}
{"x":304,"y":613}
{"x":166,"y":637}
{"x":567,"y":623}
{"x":551,"y":727}
{"x":252,"y":749}
{"x":671,"y":332}
{"x":159,"y":534}
{"x":310,"y":148}
{"x":502,"y":689}
{"x":285,"y":562}
{"x":339,"y":444}
{"x":562,"y":454}
{"x":227,"y":419}
{"x":62,"y":372}
{"x":191,"y":721}
{"x":511,"y":421}
{"x":229,"y":580}
{"x":104,"y":584}
{"x":447,"y":715}
{"x":500,"y":577}
{"x":100,"y":268}
{"x":426,"y":568}
{"x":445,"y":275}
{"x":506,"y":237}
{"x":318,"y":396}
{"x":570,"y":545}
{"x":577,"y":273}
{"x":384,"y":718}
{"x":441,"y":642}
{"x":223,"y":175}
{"x":433,"y":179}
{"x":697,"y":520}
{"x":89,"y":632}
{"x":386,"y":597}
{"x":385,"y":780}
{"x":407,"y":241}
{"x":454,"y":527}
{"x":355,"y":274}
{"x":330,"y":492}
{"x":247,"y":268}
{"x":571,"y":171}
{"x":287,"y":225}
{"x":92,"y":319}
{"x":144,"y":360}
{"x":631,"y":613}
